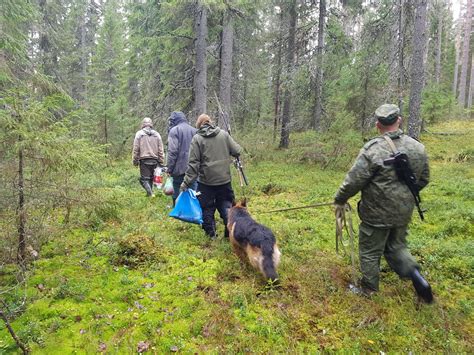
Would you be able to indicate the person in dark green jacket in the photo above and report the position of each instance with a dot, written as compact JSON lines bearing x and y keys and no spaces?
{"x":209,"y":163}
{"x":386,"y":204}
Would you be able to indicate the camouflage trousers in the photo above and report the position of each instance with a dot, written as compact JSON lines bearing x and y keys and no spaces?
{"x":389,"y":242}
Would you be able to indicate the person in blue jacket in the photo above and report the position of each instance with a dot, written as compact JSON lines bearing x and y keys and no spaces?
{"x":180,"y":134}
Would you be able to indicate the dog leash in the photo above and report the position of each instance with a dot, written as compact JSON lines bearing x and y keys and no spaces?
{"x":343,"y":216}
{"x":344,"y":223}
{"x":300,"y":208}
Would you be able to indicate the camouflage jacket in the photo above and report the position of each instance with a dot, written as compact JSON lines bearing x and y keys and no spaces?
{"x":386,"y":202}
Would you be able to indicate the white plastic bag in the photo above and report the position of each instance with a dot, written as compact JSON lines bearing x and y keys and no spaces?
{"x":158,"y":178}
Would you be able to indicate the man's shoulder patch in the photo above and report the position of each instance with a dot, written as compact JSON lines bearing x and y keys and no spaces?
{"x":371,"y":142}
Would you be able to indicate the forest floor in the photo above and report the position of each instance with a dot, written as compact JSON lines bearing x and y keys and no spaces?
{"x":182,"y":292}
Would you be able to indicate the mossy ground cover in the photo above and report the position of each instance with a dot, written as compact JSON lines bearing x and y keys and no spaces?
{"x":135,"y":279}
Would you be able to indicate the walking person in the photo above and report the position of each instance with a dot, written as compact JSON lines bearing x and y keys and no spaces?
{"x":147,"y":153}
{"x":180,"y":134}
{"x":209,"y":163}
{"x":387,"y":204}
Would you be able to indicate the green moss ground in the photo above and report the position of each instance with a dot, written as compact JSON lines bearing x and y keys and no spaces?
{"x":194,"y":296}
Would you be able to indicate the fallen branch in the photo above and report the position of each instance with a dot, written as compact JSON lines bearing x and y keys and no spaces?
{"x":445,"y":133}
{"x":12,"y":333}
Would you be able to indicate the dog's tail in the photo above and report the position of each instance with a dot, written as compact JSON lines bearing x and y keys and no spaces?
{"x":268,"y":264}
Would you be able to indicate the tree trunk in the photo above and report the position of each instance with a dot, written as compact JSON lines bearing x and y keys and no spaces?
{"x":318,"y":106}
{"x":290,"y":58}
{"x":226,"y":70}
{"x":21,"y":254}
{"x":84,"y":59}
{"x":44,"y":40}
{"x":17,"y":340}
{"x":417,"y":69}
{"x":278,"y":78}
{"x":427,"y":45}
{"x":456,"y":63}
{"x":106,"y":134}
{"x":259,"y":110}
{"x":439,"y":40}
{"x":471,"y":82}
{"x":106,"y":123}
{"x":48,"y":43}
{"x":401,"y":51}
{"x":465,"y":54}
{"x":363,"y":122}
{"x":200,"y":75}
{"x":245,"y":108}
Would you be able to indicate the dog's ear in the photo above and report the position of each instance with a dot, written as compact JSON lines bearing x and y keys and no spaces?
{"x":243,"y":202}
{"x":233,"y":202}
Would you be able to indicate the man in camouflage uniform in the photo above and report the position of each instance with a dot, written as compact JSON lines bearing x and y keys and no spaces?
{"x":387,"y":204}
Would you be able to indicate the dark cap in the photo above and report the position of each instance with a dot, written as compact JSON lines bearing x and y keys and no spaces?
{"x":387,"y":114}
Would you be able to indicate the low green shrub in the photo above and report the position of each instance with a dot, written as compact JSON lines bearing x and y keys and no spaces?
{"x":100,"y":213}
{"x":464,"y":156}
{"x":437,"y":104}
{"x":70,"y":289}
{"x":134,"y":250}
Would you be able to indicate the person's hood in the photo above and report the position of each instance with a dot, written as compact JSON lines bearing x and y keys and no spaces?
{"x":175,"y":119}
{"x":207,"y":130}
{"x":149,"y":131}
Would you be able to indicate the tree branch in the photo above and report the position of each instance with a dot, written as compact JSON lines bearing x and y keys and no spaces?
{"x":18,"y":342}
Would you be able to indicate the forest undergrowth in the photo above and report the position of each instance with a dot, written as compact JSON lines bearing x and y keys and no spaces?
{"x":130,"y":279}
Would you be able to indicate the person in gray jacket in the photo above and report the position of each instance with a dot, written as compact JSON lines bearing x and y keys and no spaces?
{"x":180,"y":133}
{"x":148,"y":153}
{"x":209,"y":163}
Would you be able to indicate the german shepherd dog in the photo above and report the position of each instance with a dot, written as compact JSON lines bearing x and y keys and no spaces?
{"x":253,"y":242}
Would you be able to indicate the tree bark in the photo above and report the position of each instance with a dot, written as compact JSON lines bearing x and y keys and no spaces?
{"x":290,"y":59}
{"x":439,"y":40}
{"x":278,"y":78}
{"x":84,"y":59}
{"x":471,"y":83}
{"x":465,"y":54}
{"x":363,"y":121}
{"x":244,"y":96}
{"x":226,"y":70}
{"x":106,"y":123}
{"x":417,"y":69}
{"x":429,"y":43}
{"x":401,"y":51}
{"x":21,"y":254}
{"x":318,"y":106}
{"x":18,"y":342}
{"x":200,"y":75}
{"x":49,"y":46}
{"x":456,"y":63}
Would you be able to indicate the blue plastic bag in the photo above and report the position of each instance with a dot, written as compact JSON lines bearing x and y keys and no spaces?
{"x":187,"y":207}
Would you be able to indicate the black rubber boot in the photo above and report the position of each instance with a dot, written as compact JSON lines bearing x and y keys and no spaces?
{"x":150,"y":184}
{"x":146,"y":186}
{"x":422,"y":287}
